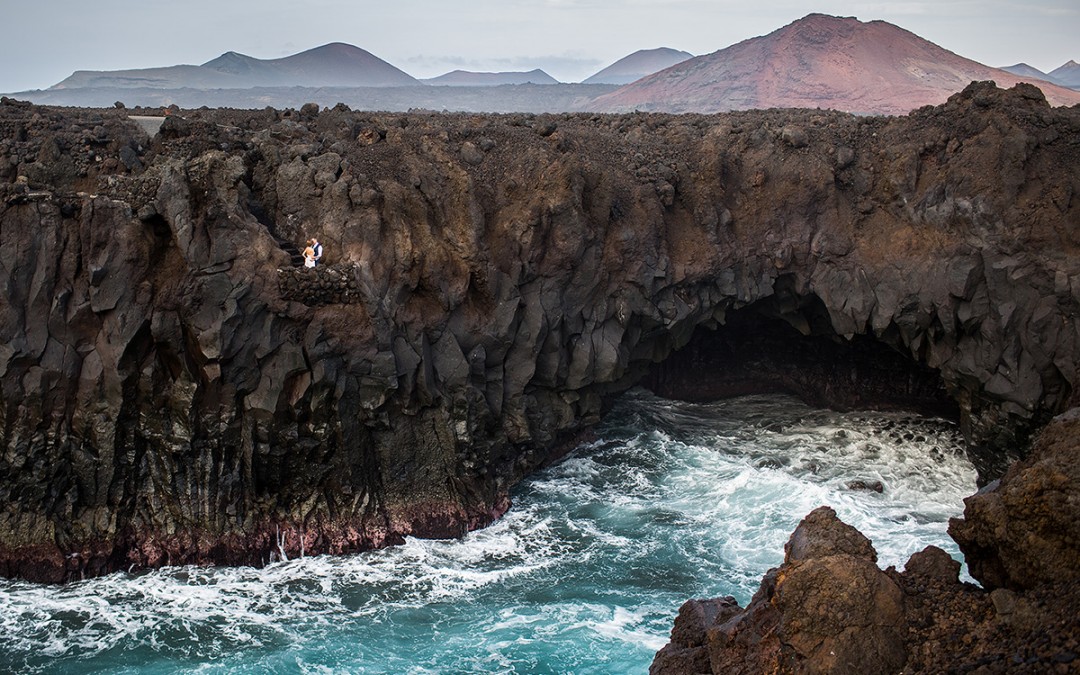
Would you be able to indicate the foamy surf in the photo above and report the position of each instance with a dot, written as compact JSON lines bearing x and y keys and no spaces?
{"x":584,"y":574}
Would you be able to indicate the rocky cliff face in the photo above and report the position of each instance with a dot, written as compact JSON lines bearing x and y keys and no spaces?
{"x":169,"y":396}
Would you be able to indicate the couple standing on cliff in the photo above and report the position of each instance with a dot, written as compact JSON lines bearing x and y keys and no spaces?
{"x":313,"y":252}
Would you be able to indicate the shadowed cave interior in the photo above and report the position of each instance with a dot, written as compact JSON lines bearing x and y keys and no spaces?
{"x":785,"y":344}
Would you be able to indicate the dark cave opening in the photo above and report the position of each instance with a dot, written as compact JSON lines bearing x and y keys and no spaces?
{"x":785,"y":344}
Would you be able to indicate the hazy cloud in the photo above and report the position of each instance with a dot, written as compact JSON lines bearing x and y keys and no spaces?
{"x":1061,"y":11}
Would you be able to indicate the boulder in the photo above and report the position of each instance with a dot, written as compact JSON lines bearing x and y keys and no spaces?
{"x":827,"y":609}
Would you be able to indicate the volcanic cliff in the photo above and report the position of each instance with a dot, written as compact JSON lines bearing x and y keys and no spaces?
{"x":174,"y":390}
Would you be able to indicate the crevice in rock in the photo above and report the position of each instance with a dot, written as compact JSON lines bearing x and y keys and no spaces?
{"x":256,"y":203}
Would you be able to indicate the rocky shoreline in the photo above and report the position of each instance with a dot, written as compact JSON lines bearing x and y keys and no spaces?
{"x":829,"y":609}
{"x":164,"y":399}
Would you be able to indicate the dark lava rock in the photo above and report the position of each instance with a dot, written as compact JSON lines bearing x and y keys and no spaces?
{"x":168,"y":396}
{"x":873,"y":485}
{"x":1024,"y":530}
{"x":796,"y":137}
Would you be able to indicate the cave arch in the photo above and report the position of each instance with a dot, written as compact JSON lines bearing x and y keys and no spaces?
{"x":785,"y":343}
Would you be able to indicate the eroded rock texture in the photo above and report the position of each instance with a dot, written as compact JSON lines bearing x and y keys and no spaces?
{"x":827,"y":609}
{"x":1023,"y":531}
{"x":830,"y":609}
{"x":165,"y":399}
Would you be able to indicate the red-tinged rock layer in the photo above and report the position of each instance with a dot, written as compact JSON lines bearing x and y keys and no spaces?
{"x":818,"y":61}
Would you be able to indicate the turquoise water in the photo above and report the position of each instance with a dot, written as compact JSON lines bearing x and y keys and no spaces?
{"x":583,"y":575}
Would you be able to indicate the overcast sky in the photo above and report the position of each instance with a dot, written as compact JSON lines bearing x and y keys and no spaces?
{"x":44,"y":41}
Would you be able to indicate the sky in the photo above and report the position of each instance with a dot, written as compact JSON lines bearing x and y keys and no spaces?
{"x":44,"y":41}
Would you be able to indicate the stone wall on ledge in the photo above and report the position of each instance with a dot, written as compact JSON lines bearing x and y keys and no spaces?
{"x":323,"y":285}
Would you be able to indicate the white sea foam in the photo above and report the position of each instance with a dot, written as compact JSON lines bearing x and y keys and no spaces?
{"x":584,"y":574}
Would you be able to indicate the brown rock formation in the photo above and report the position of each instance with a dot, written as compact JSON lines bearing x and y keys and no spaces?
{"x":166,"y":398}
{"x":829,"y":609}
{"x":1023,"y":531}
{"x":818,"y":61}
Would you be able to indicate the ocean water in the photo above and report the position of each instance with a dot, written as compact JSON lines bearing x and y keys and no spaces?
{"x":583,"y":575}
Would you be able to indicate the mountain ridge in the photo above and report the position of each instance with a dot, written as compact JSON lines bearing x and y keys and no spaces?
{"x":819,"y":61}
{"x":1068,"y":74}
{"x":335,"y":64}
{"x":1025,"y":70}
{"x":637,"y":65}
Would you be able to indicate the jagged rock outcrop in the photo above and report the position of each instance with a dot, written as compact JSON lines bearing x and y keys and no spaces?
{"x":830,"y":609}
{"x":827,"y":609}
{"x":1023,"y":531}
{"x":163,"y":400}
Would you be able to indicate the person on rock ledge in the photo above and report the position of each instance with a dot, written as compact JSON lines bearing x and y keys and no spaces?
{"x":309,"y":254}
{"x":317,"y":247}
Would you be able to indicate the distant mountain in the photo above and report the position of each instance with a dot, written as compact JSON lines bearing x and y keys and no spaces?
{"x":169,"y":77}
{"x":1024,"y":70}
{"x":340,"y":65}
{"x":332,"y":65}
{"x":249,"y":69}
{"x":637,"y":65}
{"x":1068,"y":74}
{"x":818,"y":61}
{"x":466,"y":78}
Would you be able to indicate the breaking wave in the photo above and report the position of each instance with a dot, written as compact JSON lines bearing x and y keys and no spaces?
{"x":583,"y":575}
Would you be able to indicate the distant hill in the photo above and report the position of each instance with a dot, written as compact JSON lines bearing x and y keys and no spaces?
{"x":466,"y":78}
{"x":332,"y":65}
{"x":169,"y":77}
{"x":1068,"y":74}
{"x":254,"y":72}
{"x":637,"y":65}
{"x":818,"y":61}
{"x":1024,"y":70}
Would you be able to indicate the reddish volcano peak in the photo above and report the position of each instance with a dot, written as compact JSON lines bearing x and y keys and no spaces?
{"x":819,"y":61}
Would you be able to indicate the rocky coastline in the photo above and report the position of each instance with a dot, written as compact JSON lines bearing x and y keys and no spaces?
{"x":830,"y":609}
{"x":169,"y":396}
